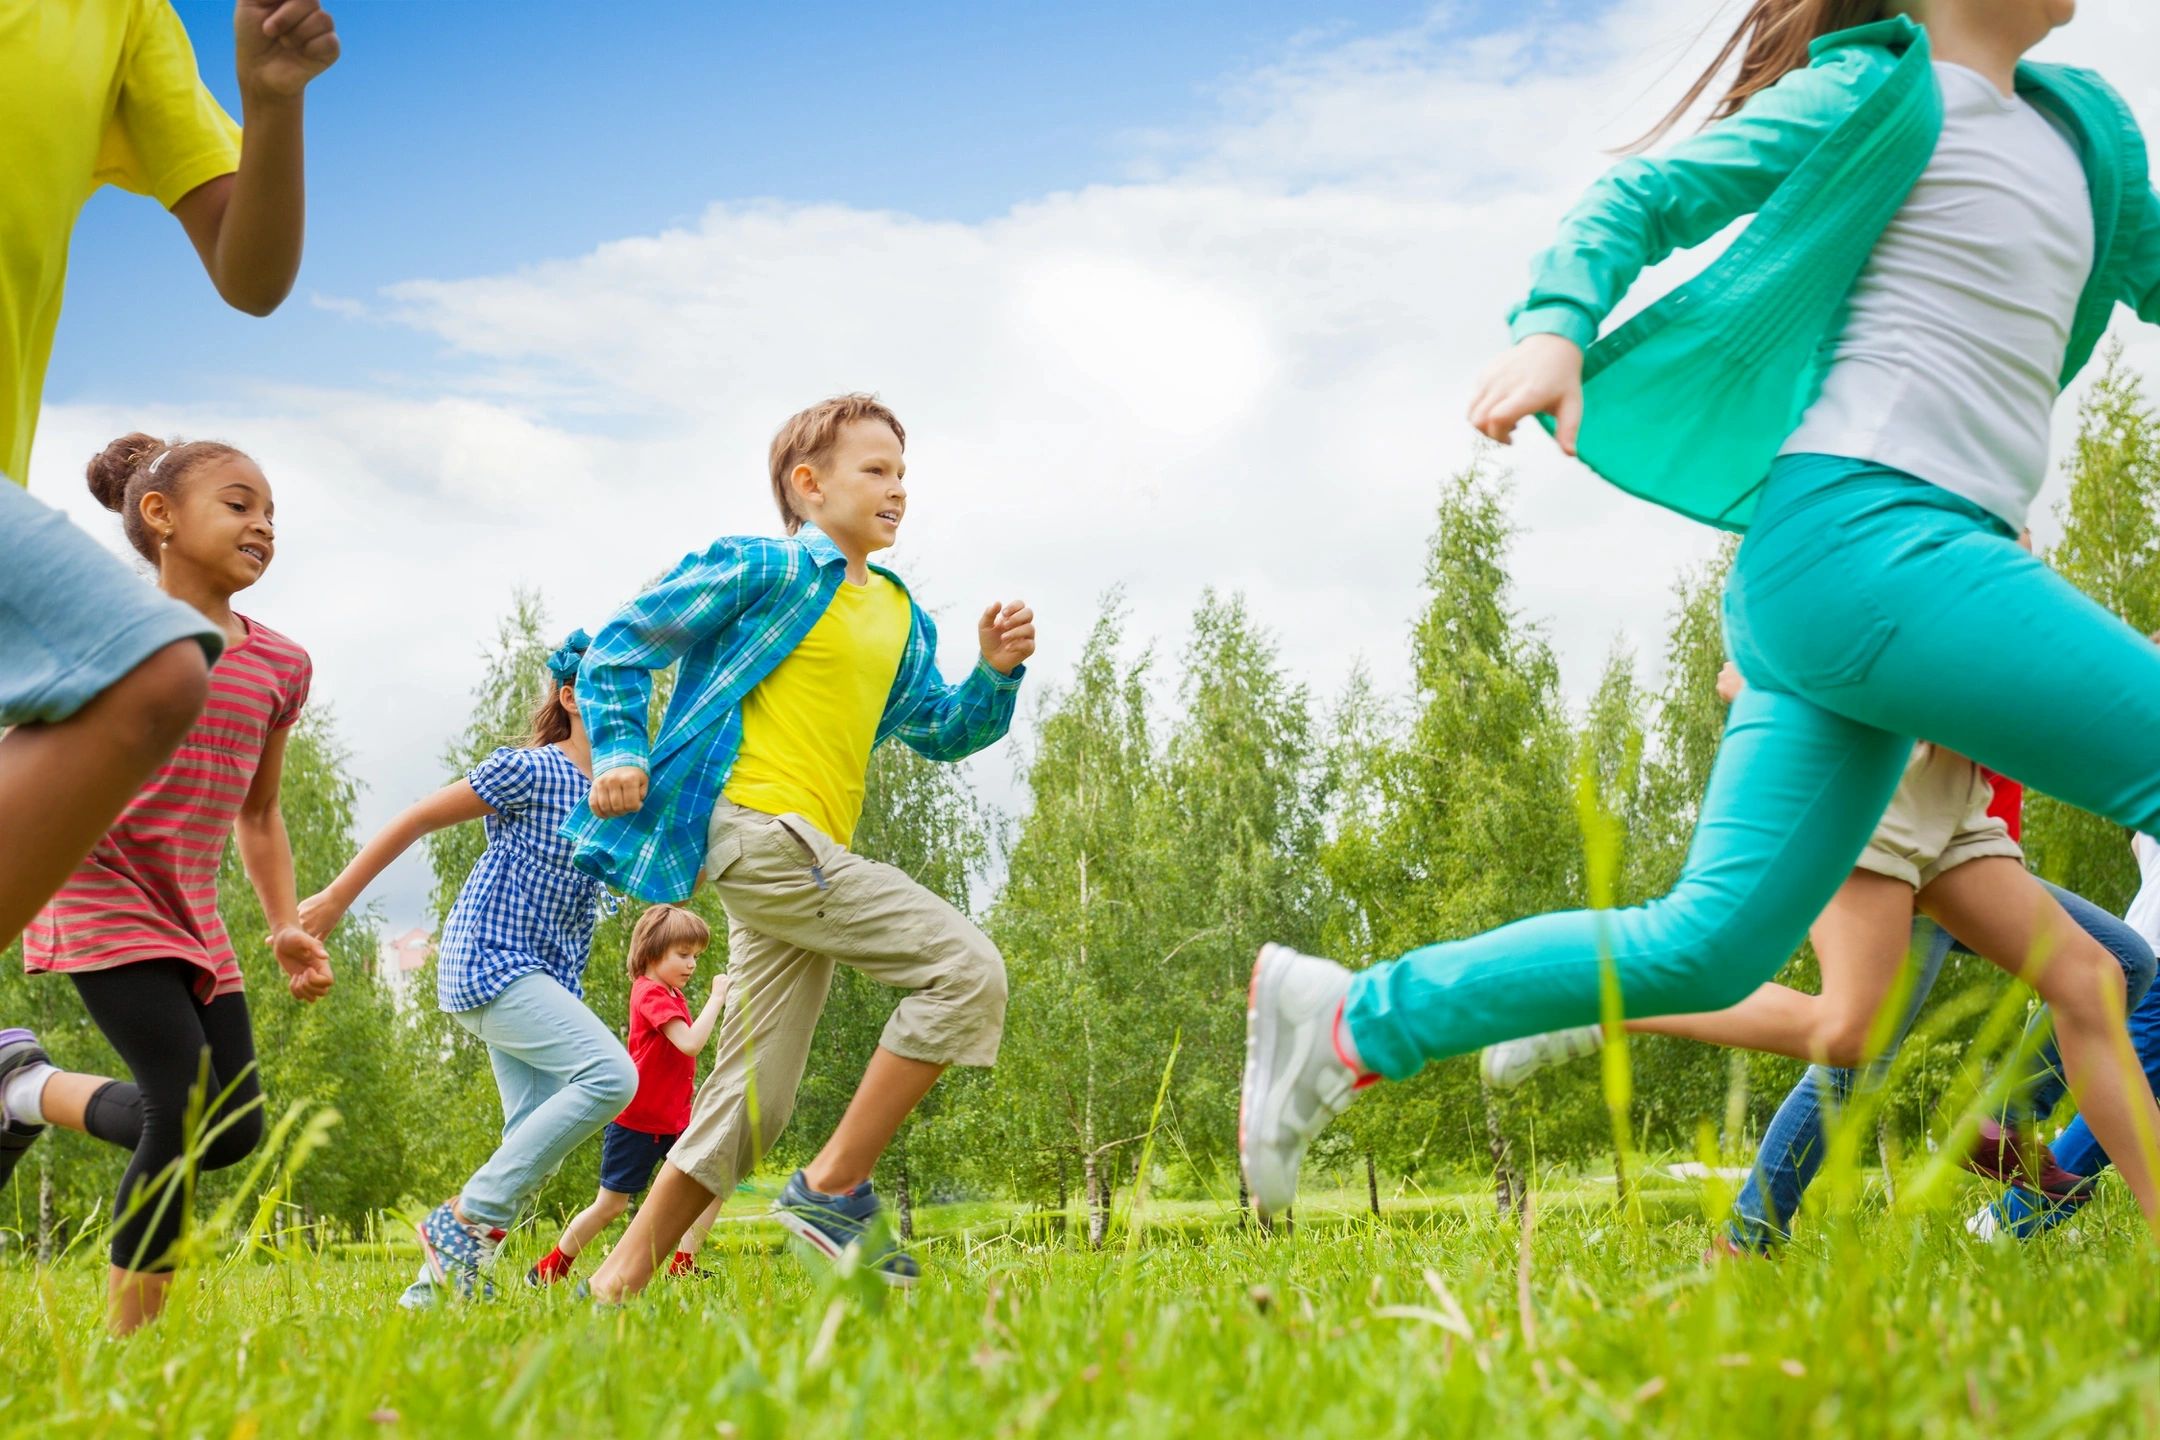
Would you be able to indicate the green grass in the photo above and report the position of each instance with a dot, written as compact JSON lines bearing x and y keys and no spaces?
{"x":1431,"y":1322}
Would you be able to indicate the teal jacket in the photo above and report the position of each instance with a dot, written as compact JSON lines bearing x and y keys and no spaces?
{"x":1687,"y":403}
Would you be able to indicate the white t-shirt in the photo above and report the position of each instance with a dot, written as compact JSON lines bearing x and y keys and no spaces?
{"x":2144,"y":912}
{"x":1948,"y":363}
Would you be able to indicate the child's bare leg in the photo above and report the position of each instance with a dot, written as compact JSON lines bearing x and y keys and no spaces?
{"x":63,"y":784}
{"x":702,"y":1226}
{"x":892,"y":1086}
{"x":607,"y":1207}
{"x":133,"y":1298}
{"x":655,"y":1231}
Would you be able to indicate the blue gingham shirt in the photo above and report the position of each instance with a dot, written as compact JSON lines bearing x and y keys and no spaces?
{"x":525,"y":909}
{"x":730,"y":614}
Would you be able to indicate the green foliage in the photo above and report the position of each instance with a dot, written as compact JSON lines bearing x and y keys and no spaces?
{"x":2110,"y":549}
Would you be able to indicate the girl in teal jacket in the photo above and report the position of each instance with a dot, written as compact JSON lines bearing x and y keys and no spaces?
{"x":1861,"y":384}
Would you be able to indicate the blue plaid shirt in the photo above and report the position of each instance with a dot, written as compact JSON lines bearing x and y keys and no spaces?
{"x":524,"y":909}
{"x":730,"y":614}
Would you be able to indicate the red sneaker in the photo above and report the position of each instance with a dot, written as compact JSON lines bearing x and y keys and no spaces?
{"x":685,"y":1263}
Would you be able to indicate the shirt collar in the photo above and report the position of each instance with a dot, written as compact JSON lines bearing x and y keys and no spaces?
{"x":822,"y":549}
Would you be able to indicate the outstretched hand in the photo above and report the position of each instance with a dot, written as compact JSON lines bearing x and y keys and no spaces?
{"x":305,"y":962}
{"x":280,"y":45}
{"x":1542,"y":375}
{"x":1007,"y":632}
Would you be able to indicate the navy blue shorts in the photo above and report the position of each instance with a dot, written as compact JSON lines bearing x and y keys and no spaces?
{"x":628,"y":1158}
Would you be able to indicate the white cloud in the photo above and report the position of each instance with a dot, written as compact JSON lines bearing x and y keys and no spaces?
{"x":1245,"y":368}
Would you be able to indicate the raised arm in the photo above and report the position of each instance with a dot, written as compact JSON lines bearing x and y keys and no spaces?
{"x":248,"y":226}
{"x":454,"y":804}
{"x":952,"y":722}
{"x":689,"y":1036}
{"x":266,"y":854}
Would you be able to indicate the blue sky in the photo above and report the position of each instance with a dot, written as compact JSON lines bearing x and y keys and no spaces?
{"x":467,"y":137}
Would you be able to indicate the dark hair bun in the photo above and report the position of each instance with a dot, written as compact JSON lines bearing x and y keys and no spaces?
{"x":111,"y":468}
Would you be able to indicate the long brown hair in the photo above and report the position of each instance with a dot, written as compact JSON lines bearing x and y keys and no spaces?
{"x":1772,"y":41}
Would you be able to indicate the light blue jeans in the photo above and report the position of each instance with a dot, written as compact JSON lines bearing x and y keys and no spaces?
{"x":1793,"y":1147}
{"x":1866,"y":608}
{"x":563,"y":1075}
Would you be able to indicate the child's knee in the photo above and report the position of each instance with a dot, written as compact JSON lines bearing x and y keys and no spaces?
{"x":237,"y":1138}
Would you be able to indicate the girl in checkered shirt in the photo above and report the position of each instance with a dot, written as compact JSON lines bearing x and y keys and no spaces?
{"x":511,"y":970}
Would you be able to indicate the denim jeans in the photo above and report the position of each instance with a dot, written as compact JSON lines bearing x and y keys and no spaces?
{"x":1792,"y":1148}
{"x":2024,"y":1214}
{"x":563,"y":1075}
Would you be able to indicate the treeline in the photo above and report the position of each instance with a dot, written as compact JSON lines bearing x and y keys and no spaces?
{"x":1174,"y":821}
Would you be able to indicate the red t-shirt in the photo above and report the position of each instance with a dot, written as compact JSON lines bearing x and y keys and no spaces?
{"x":149,"y":889}
{"x":2008,"y":805}
{"x":665,"y":1076}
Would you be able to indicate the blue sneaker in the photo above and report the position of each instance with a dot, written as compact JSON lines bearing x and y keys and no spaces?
{"x":18,"y":1048}
{"x":457,"y":1251}
{"x":831,"y":1225}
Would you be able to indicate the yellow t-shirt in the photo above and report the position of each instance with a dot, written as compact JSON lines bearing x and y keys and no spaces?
{"x":92,"y":92}
{"x":809,"y":726}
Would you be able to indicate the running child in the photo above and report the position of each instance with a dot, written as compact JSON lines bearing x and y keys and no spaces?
{"x":105,"y":675}
{"x":136,"y":927}
{"x":511,"y":971}
{"x":1948,"y":818}
{"x":1863,"y":384}
{"x":664,"y":1043}
{"x":797,"y":657}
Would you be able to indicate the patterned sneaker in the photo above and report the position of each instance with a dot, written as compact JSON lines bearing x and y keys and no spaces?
{"x":1511,"y":1062}
{"x":830,"y":1225}
{"x":18,"y":1048}
{"x":457,"y":1251}
{"x":1296,"y":1077}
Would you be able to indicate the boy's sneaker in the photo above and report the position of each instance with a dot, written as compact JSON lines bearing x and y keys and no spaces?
{"x":829,"y":1225}
{"x":18,"y":1048}
{"x":1511,"y":1062}
{"x":457,"y":1251}
{"x":1297,"y":1078}
{"x":2001,"y":1154}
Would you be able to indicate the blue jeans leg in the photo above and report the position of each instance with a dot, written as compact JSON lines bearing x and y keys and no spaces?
{"x":1792,"y":1148}
{"x":563,"y":1075}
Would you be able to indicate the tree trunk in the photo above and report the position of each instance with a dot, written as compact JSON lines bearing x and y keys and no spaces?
{"x":904,"y":1202}
{"x":1372,"y":1184}
{"x":1244,"y":1200}
{"x":1098,"y":1200}
{"x":1503,"y":1163}
{"x":1882,"y":1153}
{"x":45,"y":1206}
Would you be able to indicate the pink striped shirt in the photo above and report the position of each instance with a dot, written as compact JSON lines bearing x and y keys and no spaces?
{"x":149,"y":889}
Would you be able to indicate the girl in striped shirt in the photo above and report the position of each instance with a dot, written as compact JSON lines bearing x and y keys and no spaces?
{"x":136,"y":928}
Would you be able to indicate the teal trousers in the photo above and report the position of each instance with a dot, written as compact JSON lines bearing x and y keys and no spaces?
{"x":1867,"y":608}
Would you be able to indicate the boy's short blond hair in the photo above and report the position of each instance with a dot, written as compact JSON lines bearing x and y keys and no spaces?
{"x":810,"y":433}
{"x":661,"y":929}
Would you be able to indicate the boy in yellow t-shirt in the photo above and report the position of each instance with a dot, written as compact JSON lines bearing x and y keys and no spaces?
{"x":796,"y":657}
{"x":104,"y":674}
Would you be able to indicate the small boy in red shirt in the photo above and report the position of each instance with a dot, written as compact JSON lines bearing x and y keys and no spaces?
{"x":664,"y":1042}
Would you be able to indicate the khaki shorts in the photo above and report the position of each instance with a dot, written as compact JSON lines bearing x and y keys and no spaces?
{"x":1937,"y":821}
{"x":797,"y":905}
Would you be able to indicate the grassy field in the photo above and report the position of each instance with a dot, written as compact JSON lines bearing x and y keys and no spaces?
{"x":1435,"y":1320}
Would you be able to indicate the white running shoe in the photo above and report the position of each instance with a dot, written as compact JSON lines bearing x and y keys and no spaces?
{"x":1295,"y":1082}
{"x":1985,"y":1224}
{"x":1511,"y":1062}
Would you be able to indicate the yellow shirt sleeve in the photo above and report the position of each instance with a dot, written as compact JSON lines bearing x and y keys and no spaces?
{"x":168,"y":134}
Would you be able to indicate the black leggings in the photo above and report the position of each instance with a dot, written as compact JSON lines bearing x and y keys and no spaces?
{"x":151,"y":1014}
